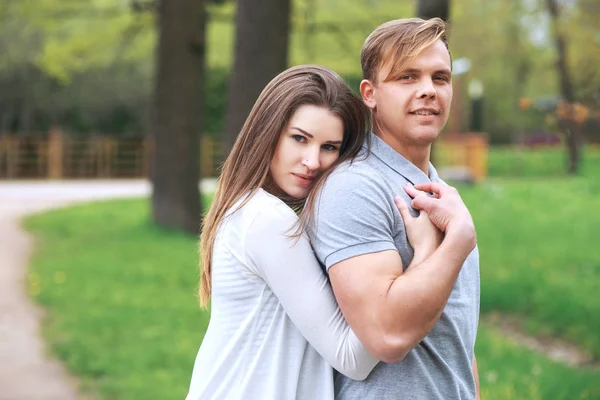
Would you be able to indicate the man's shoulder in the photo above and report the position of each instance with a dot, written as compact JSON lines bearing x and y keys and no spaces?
{"x":355,"y":175}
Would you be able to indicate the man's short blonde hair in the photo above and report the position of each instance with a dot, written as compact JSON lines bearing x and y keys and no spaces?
{"x":394,"y":44}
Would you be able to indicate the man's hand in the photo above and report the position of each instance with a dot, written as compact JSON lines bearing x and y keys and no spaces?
{"x":445,"y":209}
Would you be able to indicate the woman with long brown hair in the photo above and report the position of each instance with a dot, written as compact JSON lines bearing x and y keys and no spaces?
{"x":275,"y":329}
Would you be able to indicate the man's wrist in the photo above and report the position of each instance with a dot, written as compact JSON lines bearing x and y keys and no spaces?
{"x":461,"y":238}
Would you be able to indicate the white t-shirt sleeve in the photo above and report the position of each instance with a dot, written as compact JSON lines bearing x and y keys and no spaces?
{"x":290,"y":268}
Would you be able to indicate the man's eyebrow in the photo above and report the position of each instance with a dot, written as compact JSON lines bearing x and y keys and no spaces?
{"x":443,"y":71}
{"x":411,"y":71}
{"x":311,"y":136}
{"x":418,"y":71}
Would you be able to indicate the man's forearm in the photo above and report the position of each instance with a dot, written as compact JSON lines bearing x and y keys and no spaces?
{"x":416,"y":299}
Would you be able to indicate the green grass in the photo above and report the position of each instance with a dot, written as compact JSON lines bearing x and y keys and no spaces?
{"x":538,"y":243}
{"x":123,"y":315}
{"x":507,"y":371}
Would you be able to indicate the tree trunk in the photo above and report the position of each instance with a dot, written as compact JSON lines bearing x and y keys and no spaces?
{"x":261,"y":50}
{"x":428,"y":9}
{"x":568,"y":124}
{"x":178,"y":107}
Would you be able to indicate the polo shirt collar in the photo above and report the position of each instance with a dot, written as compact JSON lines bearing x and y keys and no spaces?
{"x":398,"y":163}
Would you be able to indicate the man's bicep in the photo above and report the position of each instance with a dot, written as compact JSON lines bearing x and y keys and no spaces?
{"x":360,"y":285}
{"x":354,"y":215}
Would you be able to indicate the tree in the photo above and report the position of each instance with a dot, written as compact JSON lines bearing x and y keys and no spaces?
{"x":178,"y":107}
{"x":567,"y":121}
{"x":261,"y":52}
{"x":428,"y":9}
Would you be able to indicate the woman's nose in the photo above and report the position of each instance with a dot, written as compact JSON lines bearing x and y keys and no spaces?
{"x":311,"y":160}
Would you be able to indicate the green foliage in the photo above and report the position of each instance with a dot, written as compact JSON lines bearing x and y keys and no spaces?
{"x":94,"y":62}
{"x":522,"y":162}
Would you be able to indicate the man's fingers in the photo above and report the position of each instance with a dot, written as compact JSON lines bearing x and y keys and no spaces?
{"x":413,"y":192}
{"x":424,"y":203}
{"x":403,"y":208}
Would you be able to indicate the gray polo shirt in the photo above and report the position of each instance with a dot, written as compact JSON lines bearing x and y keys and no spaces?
{"x":356,"y":215}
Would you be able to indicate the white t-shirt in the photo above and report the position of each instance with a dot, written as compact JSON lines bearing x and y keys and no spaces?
{"x":275,"y":327}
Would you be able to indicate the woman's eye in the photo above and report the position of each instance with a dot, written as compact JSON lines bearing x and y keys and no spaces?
{"x":406,"y":78}
{"x":299,"y":138}
{"x":329,"y":147}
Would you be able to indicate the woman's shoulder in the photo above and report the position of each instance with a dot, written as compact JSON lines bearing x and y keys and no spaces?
{"x":270,"y":207}
{"x":263,"y":208}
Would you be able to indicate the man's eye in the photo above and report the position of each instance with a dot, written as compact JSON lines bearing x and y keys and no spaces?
{"x":406,"y":77}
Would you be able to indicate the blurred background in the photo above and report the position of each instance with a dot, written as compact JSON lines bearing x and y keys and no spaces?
{"x":138,"y":89}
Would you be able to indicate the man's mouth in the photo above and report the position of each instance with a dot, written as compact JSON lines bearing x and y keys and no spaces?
{"x":425,"y":111}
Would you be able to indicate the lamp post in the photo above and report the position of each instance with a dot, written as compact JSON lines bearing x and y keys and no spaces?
{"x":475,"y":90}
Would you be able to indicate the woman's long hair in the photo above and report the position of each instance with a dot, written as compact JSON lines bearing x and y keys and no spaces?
{"x":246,"y":169}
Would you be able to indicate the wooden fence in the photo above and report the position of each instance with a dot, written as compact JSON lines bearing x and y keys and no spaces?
{"x":56,"y":156}
{"x":59,"y":157}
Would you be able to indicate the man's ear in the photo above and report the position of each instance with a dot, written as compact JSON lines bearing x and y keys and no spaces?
{"x":367,"y":91}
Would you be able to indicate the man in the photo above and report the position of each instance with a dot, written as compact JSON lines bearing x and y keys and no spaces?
{"x":426,"y":309}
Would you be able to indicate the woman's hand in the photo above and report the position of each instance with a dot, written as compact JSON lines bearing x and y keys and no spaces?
{"x":422,"y":234}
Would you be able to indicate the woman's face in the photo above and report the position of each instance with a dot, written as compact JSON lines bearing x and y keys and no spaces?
{"x":309,"y":144}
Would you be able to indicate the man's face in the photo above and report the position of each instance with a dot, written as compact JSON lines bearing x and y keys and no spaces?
{"x":412,"y":110}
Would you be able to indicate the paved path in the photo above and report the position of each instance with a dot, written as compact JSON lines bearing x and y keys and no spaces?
{"x":26,"y":372}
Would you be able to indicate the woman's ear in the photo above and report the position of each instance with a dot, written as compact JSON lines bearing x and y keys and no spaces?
{"x":367,"y":91}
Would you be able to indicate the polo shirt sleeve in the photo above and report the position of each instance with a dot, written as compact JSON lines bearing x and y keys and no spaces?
{"x":292,"y":272}
{"x":354,"y":215}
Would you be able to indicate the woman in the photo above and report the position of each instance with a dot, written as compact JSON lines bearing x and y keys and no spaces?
{"x":275,"y":328}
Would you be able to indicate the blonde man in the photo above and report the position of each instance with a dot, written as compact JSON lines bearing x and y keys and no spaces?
{"x":427,"y":309}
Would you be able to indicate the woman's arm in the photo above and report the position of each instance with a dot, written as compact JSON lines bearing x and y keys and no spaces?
{"x":289,"y":267}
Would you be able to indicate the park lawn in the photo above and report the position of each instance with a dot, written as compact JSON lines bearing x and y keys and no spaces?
{"x":538,"y":241}
{"x":123,"y":315}
{"x":121,"y":295}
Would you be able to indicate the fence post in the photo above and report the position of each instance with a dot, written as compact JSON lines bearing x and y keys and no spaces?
{"x":477,"y":149}
{"x":55,"y":154}
{"x":13,"y":156}
{"x":108,"y":147}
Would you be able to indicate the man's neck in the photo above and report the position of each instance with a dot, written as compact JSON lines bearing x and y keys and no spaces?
{"x":419,"y":155}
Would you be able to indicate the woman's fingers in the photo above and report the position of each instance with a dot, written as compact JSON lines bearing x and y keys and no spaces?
{"x":403,"y":208}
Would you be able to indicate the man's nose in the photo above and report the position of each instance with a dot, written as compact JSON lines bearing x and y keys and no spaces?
{"x":427,"y":89}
